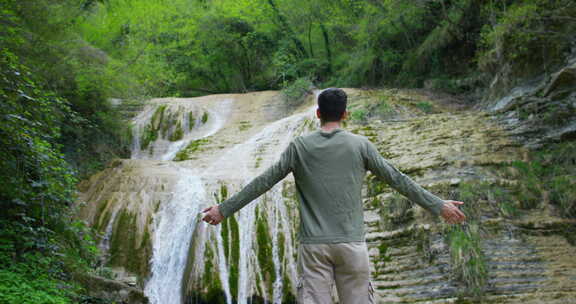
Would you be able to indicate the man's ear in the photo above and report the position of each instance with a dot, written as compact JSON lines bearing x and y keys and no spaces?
{"x":318,"y":113}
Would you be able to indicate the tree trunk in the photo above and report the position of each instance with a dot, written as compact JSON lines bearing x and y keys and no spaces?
{"x":284,"y":24}
{"x":327,"y":46}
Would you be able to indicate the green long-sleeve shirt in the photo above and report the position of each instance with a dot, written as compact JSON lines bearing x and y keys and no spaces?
{"x":329,"y":170}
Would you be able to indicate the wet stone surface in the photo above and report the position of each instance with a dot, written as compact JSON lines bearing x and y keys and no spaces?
{"x":141,"y":205}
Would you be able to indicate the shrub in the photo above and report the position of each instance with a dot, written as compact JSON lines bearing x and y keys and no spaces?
{"x":467,"y":260}
{"x":295,"y":93}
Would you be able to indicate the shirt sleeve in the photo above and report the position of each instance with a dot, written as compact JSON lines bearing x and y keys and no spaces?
{"x":261,"y":183}
{"x":399,"y":181}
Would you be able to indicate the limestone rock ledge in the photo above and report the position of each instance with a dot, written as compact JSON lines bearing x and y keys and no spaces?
{"x":111,"y":290}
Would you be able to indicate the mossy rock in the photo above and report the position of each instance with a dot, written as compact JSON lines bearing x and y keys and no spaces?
{"x":193,"y":147}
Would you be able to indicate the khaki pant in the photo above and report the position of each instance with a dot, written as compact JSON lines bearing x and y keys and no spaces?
{"x":345,"y":264}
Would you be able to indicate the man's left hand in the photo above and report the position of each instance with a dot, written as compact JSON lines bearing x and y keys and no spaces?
{"x":212,"y":215}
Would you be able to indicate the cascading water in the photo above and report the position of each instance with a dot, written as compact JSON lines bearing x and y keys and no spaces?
{"x":238,"y":165}
{"x":148,"y":208}
{"x":165,"y":126}
{"x":173,"y":225}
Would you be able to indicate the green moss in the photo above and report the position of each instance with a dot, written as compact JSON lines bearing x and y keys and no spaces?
{"x":149,"y":135}
{"x":258,"y":162}
{"x":205,"y":117}
{"x":281,"y":246}
{"x":375,"y":203}
{"x":178,"y":133}
{"x":210,"y":276}
{"x":425,"y":107}
{"x":359,"y":116}
{"x":244,"y":125}
{"x":191,"y":121}
{"x":287,"y":295}
{"x":99,"y":213}
{"x":146,"y":239}
{"x":223,"y":192}
{"x":103,"y":221}
{"x":547,"y":176}
{"x":233,"y":253}
{"x":158,"y":116}
{"x":166,"y":123}
{"x":119,"y":240}
{"x":192,"y":147}
{"x":225,"y":233}
{"x":264,"y":242}
{"x":159,"y":126}
{"x":376,"y":186}
{"x":124,"y":250}
{"x":212,"y":295}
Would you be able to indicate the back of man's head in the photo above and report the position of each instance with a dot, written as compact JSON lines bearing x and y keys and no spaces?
{"x":332,"y":104}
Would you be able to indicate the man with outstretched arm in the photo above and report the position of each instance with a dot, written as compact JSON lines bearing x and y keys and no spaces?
{"x":329,"y":166}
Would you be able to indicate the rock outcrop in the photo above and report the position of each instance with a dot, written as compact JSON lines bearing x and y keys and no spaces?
{"x":112,"y":290}
{"x":149,"y":208}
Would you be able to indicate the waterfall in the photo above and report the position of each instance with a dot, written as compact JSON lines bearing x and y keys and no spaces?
{"x":165,"y":126}
{"x":151,"y":207}
{"x":273,"y":216}
{"x":223,"y":266}
{"x":244,"y":161}
{"x":146,"y":209}
{"x":173,"y":225}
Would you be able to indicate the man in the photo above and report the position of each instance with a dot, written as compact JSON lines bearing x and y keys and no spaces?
{"x":329,"y":166}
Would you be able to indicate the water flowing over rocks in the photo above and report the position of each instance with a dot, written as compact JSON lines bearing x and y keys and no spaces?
{"x":147,"y":209}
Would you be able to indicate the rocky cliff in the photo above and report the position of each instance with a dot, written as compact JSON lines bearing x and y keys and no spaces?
{"x":191,"y":153}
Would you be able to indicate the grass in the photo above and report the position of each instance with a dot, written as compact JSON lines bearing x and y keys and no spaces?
{"x":547,"y":178}
{"x":359,"y":116}
{"x":467,"y":261}
{"x":425,"y":107}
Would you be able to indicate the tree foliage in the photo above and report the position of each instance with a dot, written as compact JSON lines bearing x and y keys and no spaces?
{"x":54,"y":117}
{"x":63,"y":61}
{"x":195,"y":47}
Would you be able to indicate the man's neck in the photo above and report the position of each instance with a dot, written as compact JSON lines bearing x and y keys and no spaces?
{"x":330,"y":126}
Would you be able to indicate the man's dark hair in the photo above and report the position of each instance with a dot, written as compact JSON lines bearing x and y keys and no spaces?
{"x":332,"y":104}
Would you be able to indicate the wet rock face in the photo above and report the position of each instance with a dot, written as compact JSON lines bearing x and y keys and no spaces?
{"x":413,"y":265}
{"x":541,"y":111}
{"x":414,"y":258}
{"x":148,"y":211}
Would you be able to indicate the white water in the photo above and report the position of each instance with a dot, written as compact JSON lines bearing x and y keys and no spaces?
{"x":180,"y":242}
{"x":164,"y":149}
{"x":223,"y":265}
{"x":104,"y":245}
{"x":242,"y":162}
{"x":278,"y":285}
{"x":173,"y":225}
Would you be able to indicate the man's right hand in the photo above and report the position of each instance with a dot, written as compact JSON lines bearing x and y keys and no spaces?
{"x":451,"y":213}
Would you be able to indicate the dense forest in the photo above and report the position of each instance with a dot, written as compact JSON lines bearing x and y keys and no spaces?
{"x":66,"y":64}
